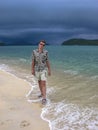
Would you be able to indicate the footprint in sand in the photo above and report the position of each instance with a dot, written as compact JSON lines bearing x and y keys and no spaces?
{"x":12,"y":108}
{"x":2,"y":123}
{"x":6,"y":122}
{"x":24,"y":123}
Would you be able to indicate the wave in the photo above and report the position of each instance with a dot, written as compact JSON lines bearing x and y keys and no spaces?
{"x":65,"y":116}
{"x":71,"y":72}
{"x":4,"y":67}
{"x":23,"y":59}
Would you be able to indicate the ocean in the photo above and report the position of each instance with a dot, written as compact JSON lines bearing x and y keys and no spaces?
{"x":72,"y":89}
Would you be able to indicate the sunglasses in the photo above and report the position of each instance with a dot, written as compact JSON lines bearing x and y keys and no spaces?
{"x":42,"y":44}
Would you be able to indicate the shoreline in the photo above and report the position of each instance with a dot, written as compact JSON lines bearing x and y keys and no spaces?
{"x":16,"y":112}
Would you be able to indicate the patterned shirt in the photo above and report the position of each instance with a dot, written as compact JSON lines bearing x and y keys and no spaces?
{"x":40,"y":59}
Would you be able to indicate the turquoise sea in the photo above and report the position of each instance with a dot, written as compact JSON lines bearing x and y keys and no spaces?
{"x":72,"y":90}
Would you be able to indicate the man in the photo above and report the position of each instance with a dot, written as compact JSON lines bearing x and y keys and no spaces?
{"x":40,"y":68}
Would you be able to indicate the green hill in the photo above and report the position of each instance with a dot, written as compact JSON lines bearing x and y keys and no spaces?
{"x":81,"y":42}
{"x":2,"y":43}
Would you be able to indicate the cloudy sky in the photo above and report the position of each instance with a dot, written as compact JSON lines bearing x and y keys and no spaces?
{"x":52,"y":20}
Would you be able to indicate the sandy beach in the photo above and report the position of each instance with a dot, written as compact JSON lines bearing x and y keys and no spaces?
{"x":15,"y":112}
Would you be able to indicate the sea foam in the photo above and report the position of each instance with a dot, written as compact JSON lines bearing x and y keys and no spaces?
{"x":63,"y":116}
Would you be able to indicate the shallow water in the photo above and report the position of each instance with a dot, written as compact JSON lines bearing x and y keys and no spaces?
{"x":72,"y":90}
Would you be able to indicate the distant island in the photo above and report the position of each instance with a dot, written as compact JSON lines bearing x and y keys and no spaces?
{"x":2,"y":43}
{"x":81,"y":42}
{"x":77,"y":41}
{"x":19,"y":44}
{"x":15,"y":44}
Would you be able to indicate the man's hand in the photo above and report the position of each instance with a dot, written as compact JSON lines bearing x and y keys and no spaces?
{"x":49,"y":72}
{"x":33,"y":72}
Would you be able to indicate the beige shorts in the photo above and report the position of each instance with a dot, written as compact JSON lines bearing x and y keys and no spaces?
{"x":41,"y":75}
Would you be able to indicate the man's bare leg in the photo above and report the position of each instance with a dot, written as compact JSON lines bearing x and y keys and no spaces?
{"x":43,"y":87}
{"x":40,"y":87}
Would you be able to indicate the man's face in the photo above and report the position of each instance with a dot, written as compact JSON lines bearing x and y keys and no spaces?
{"x":41,"y":45}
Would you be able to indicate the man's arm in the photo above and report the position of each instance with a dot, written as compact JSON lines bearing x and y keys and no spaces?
{"x":33,"y":64}
{"x":33,"y":70}
{"x":49,"y":69}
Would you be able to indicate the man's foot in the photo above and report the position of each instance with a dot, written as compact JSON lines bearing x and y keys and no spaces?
{"x":40,"y":96}
{"x":44,"y":101}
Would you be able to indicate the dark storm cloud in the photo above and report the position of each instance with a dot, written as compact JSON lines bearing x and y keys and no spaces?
{"x":56,"y":19}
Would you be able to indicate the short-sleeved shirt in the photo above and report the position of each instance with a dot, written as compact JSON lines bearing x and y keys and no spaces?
{"x":40,"y":59}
